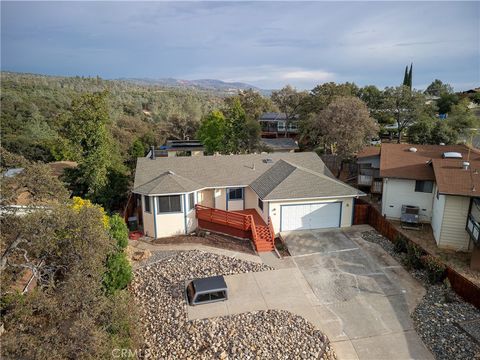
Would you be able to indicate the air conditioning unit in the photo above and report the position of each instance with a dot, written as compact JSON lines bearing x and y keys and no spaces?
{"x":410,"y":214}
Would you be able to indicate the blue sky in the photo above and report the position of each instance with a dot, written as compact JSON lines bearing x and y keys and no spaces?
{"x":267,"y":44}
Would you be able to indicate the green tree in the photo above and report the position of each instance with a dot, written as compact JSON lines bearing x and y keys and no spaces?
{"x":443,"y":134}
{"x":212,"y":132}
{"x":345,"y":126}
{"x":437,"y":88}
{"x":405,"y":77}
{"x":410,"y":76}
{"x":118,"y":274}
{"x":289,"y":101}
{"x":461,"y":118}
{"x":322,"y":95}
{"x":69,"y":314}
{"x":88,"y":128}
{"x":242,"y":134}
{"x":421,"y":131}
{"x":118,"y":231}
{"x":252,"y":102}
{"x":404,"y":105}
{"x":446,"y":101}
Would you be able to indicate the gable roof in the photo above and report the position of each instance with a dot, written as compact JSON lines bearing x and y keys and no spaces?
{"x":397,"y":161}
{"x":282,"y":176}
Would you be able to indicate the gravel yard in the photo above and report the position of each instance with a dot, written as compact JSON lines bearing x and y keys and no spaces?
{"x":158,"y":289}
{"x":442,"y":316}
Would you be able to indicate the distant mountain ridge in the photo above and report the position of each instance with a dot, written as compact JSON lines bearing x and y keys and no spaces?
{"x":204,"y":84}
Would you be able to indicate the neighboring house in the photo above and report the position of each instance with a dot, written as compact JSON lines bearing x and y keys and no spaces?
{"x":443,"y":181}
{"x":179,"y":148}
{"x":275,"y":125}
{"x":280,"y":144}
{"x":368,"y":162}
{"x":226,"y":193}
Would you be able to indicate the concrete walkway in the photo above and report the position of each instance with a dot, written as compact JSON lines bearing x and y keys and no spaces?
{"x":143,"y":245}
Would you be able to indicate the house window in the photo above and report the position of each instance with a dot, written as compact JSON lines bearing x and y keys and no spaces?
{"x":260,"y":204}
{"x":235,"y":194}
{"x":281,"y":126}
{"x":168,"y":204}
{"x":148,"y":208}
{"x":191,"y":201}
{"x":425,"y":186}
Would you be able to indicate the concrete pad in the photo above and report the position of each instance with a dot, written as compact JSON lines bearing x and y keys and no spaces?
{"x":244,"y":294}
{"x":280,"y":288}
{"x":331,"y":324}
{"x":323,"y":241}
{"x":207,"y":310}
{"x":413,"y":290}
{"x":373,"y":315}
{"x":376,"y":252}
{"x":345,"y":350}
{"x":271,"y":259}
{"x":401,"y":345}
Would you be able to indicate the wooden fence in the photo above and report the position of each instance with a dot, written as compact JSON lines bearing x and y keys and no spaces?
{"x":367,"y":214}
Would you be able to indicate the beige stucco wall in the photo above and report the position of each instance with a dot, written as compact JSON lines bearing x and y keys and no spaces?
{"x":251,"y":202}
{"x":148,"y":227}
{"x":453,"y":234}
{"x":220,"y":199}
{"x":398,"y":192}
{"x":347,"y":210}
{"x":206,"y":198}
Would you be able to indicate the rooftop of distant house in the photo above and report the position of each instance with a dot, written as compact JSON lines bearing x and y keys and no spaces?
{"x":455,"y":168}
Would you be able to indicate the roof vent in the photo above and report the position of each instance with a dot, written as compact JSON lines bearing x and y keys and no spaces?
{"x":413,"y":149}
{"x":170,"y":172}
{"x":267,"y":161}
{"x":452,"y":155}
{"x":466,"y":165}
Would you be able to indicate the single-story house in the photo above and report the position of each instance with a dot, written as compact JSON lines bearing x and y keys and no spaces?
{"x":277,"y":192}
{"x":178,"y":148}
{"x":280,"y":144}
{"x":442,"y":181}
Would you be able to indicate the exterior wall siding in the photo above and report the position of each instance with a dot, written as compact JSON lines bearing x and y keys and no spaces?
{"x":453,"y":234}
{"x":148,"y":222}
{"x":220,"y":199}
{"x":437,"y":216}
{"x":206,"y":198}
{"x":347,"y":210}
{"x":398,"y":192}
{"x":251,"y":202}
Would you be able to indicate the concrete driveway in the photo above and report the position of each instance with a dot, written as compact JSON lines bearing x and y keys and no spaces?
{"x":364,"y":297}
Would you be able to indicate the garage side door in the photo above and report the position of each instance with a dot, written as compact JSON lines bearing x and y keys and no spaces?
{"x":310,"y":216}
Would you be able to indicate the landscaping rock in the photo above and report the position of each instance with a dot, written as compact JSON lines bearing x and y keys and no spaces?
{"x":159,"y":290}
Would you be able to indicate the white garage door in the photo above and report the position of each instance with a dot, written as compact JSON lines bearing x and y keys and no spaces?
{"x":310,"y":216}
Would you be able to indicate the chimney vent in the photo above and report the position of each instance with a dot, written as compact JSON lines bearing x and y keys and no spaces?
{"x":412,"y":149}
{"x":152,"y":154}
{"x":466,"y":165}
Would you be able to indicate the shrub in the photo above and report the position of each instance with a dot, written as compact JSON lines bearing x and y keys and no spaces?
{"x":119,"y":231}
{"x":435,"y":268}
{"x":118,"y":274}
{"x":400,"y":244}
{"x":414,"y":256}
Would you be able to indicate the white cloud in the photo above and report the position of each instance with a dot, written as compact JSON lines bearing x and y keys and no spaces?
{"x":268,"y":76}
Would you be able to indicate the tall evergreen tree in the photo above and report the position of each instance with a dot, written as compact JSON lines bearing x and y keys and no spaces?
{"x":410,"y":76}
{"x":405,"y":77}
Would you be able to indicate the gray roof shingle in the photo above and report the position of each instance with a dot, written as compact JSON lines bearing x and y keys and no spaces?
{"x":285,"y":175}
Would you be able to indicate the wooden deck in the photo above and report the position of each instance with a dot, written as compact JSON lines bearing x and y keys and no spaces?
{"x":242,"y":223}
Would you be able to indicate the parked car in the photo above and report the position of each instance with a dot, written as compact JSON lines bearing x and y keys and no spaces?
{"x":375,"y":141}
{"x":206,"y":290}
